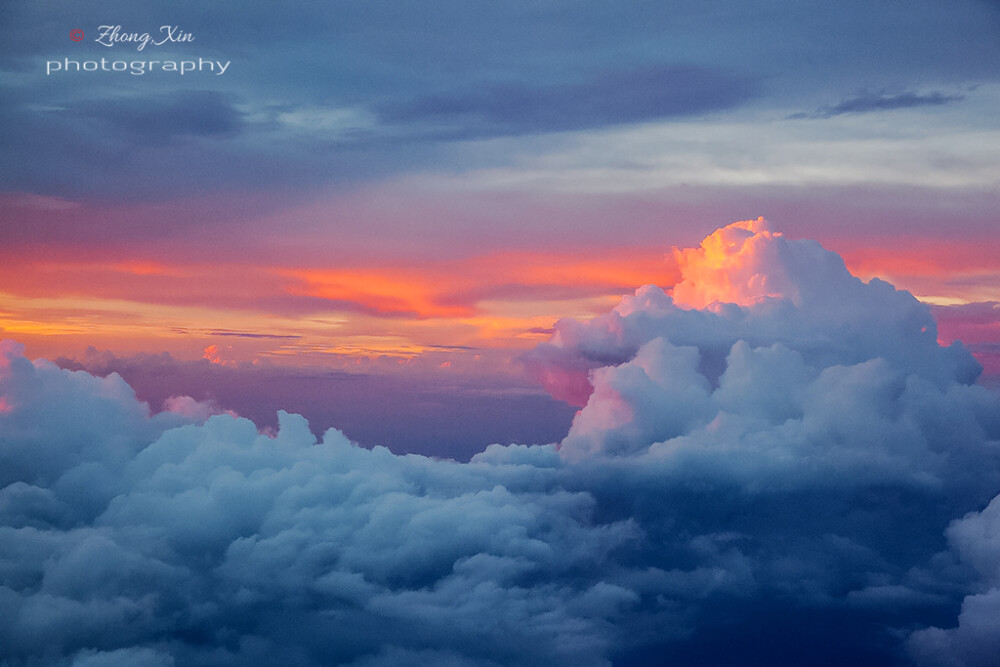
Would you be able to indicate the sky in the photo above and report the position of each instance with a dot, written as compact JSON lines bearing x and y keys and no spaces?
{"x":552,"y":265}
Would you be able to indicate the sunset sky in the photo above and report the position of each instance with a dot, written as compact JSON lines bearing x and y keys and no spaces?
{"x":469,"y":333}
{"x":425,"y":188}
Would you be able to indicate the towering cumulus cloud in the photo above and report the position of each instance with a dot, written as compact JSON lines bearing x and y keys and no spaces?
{"x":774,"y":464}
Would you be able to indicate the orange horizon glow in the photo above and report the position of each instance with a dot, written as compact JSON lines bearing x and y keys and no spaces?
{"x":507,"y":300}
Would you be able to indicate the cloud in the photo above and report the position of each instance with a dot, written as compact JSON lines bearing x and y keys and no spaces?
{"x":869,"y":102}
{"x":217,"y":530}
{"x":778,"y":465}
{"x":248,"y":334}
{"x":192,"y":409}
{"x":99,"y":419}
{"x":609,"y":98}
{"x":158,"y":119}
{"x":826,"y":382}
{"x":974,"y":642}
{"x":748,"y":283}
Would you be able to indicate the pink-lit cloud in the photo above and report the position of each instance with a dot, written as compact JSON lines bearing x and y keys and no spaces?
{"x":735,"y":264}
{"x":747,"y":282}
{"x":754,"y":315}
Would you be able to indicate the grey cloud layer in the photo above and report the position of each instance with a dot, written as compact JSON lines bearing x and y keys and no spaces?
{"x":782,"y":474}
{"x":607,"y":98}
{"x":418,"y":77}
